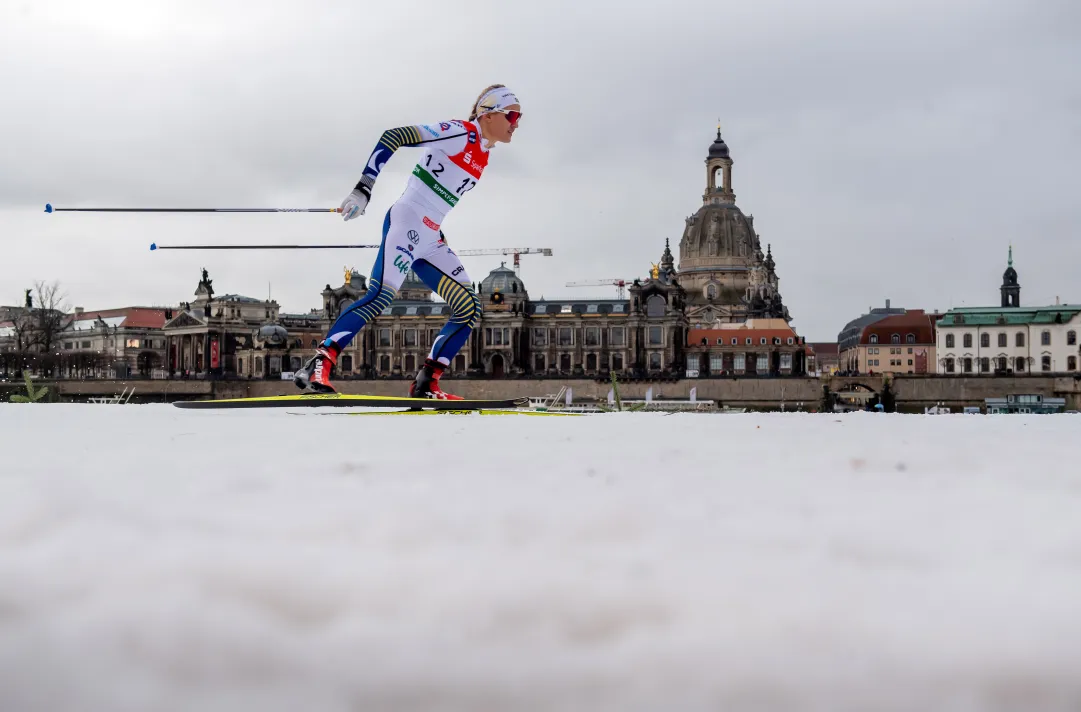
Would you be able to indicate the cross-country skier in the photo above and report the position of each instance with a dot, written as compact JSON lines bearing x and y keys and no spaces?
{"x":455,"y":157}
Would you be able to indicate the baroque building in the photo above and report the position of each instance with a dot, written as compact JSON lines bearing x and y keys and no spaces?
{"x":722,"y":267}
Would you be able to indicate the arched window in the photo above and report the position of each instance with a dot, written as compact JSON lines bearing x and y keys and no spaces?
{"x":895,"y":339}
{"x":874,"y":338}
{"x":949,"y":365}
{"x":655,"y":306}
{"x":1071,"y":338}
{"x":1045,"y":362}
{"x":1071,"y":363}
{"x":910,"y":338}
{"x":985,"y":340}
{"x":1045,"y":339}
{"x":1002,"y":365}
{"x":1020,"y":338}
{"x":966,"y":365}
{"x":1002,"y":339}
{"x":711,"y":291}
{"x":967,"y":340}
{"x":1019,"y":364}
{"x":950,"y":341}
{"x":347,"y":363}
{"x":384,"y":364}
{"x":985,"y":365}
{"x":591,"y":362}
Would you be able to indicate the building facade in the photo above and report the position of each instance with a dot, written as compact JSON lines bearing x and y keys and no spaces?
{"x":1010,"y":339}
{"x":898,"y":343}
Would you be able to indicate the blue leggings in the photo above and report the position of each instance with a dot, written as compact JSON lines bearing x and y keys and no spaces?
{"x":410,"y":243}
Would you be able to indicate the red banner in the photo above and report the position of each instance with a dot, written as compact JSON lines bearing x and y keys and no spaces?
{"x":921,"y":360}
{"x":214,"y":353}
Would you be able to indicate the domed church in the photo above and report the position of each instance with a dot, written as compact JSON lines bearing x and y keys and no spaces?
{"x":721,"y":266}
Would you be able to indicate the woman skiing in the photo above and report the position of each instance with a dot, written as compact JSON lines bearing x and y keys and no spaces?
{"x":456,"y":156}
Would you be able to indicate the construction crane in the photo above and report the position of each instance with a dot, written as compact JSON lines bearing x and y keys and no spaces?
{"x":620,"y":283}
{"x":516,"y":251}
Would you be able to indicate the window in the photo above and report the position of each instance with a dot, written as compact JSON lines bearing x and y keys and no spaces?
{"x":240,"y":366}
{"x":967,"y":340}
{"x":786,"y":362}
{"x":1002,"y":339}
{"x":1002,"y":365}
{"x":593,"y":336}
{"x":134,"y":343}
{"x":950,"y":341}
{"x":748,"y":340}
{"x":762,"y":341}
{"x":384,"y":339}
{"x":384,"y":363}
{"x":591,"y":362}
{"x":949,"y":365}
{"x":86,"y":345}
{"x":564,"y":362}
{"x":985,"y":340}
{"x":790,"y":340}
{"x":655,"y":336}
{"x":1045,"y":338}
{"x":410,"y":363}
{"x":763,"y":365}
{"x":617,"y":362}
{"x":1071,"y":363}
{"x":895,"y":339}
{"x":966,"y":365}
{"x":566,"y":309}
{"x":347,"y":363}
{"x":692,"y":361}
{"x":538,"y":363}
{"x":985,"y":364}
{"x":910,"y":339}
{"x":1020,"y":341}
{"x":459,"y":362}
{"x":711,"y":291}
{"x":591,"y":309}
{"x":735,"y":341}
{"x":618,"y":336}
{"x":540,"y":337}
{"x":410,"y":337}
{"x":1019,"y":365}
{"x":739,"y":363}
{"x":1045,"y":362}
{"x":874,"y":338}
{"x":566,"y":336}
{"x":1071,"y":338}
{"x":716,"y":363}
{"x":655,"y":306}
{"x":67,"y":345}
{"x":910,"y":350}
{"x":655,"y":361}
{"x":258,"y":365}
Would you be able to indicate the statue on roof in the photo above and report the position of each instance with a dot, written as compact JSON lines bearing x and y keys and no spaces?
{"x":29,"y":300}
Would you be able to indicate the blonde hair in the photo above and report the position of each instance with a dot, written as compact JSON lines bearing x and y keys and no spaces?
{"x":476,"y":104}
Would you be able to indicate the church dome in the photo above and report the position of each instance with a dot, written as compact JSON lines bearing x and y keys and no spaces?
{"x":502,"y":279}
{"x":718,"y":149}
{"x":718,"y":231}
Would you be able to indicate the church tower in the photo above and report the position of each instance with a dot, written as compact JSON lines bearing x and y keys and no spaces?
{"x":1011,"y":290}
{"x":718,"y":174}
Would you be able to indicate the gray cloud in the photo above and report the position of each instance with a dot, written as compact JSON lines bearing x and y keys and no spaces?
{"x":884,"y":150}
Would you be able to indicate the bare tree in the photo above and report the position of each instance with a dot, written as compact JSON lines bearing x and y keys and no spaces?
{"x":50,"y":315}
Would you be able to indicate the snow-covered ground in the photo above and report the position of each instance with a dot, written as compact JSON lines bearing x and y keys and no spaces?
{"x":154,"y":559}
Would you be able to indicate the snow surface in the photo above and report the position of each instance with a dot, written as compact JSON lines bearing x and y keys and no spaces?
{"x":154,"y":559}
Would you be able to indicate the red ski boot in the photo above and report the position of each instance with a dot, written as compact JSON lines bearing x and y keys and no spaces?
{"x":426,"y":384}
{"x":315,"y":376}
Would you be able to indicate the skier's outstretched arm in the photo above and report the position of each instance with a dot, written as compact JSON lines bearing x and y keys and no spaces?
{"x":391,"y":140}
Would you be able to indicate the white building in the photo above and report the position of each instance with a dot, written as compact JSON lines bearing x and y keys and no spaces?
{"x":1010,"y":338}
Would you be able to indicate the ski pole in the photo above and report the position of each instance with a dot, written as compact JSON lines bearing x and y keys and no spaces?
{"x":50,"y":209}
{"x":156,"y":246}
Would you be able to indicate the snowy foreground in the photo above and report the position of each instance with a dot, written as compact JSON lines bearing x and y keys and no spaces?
{"x":154,"y":559}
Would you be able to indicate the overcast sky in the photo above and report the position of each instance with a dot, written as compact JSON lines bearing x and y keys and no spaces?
{"x":886,"y":149}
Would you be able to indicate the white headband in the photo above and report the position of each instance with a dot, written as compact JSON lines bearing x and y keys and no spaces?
{"x":496,"y":99}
